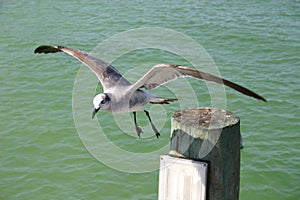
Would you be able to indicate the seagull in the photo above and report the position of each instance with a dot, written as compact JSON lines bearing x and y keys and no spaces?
{"x":120,"y":96}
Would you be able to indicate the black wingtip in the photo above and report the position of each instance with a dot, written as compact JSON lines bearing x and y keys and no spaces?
{"x":239,"y":88}
{"x":259,"y":97}
{"x":47,"y":49}
{"x":263,"y":99}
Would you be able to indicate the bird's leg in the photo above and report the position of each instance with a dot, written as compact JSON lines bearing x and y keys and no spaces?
{"x":152,"y":125}
{"x":137,"y":128}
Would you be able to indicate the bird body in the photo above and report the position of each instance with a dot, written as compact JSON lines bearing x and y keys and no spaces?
{"x":119,"y":95}
{"x":120,"y":101}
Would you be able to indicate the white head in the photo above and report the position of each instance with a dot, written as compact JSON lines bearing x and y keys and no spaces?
{"x":99,"y":101}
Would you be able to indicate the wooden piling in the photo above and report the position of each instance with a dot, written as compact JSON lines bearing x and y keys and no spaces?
{"x":213,"y":136}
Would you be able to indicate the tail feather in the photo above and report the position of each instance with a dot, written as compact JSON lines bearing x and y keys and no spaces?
{"x":161,"y":100}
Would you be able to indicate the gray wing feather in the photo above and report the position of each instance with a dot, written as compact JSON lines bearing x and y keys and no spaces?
{"x":107,"y":74}
{"x":163,"y":73}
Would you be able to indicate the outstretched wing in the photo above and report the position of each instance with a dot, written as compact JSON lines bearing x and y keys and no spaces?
{"x":108,"y":75}
{"x":163,"y":73}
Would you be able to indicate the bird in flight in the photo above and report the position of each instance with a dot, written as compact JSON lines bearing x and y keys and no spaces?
{"x":119,"y":95}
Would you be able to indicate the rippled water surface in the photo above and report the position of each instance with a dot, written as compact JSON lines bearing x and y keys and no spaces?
{"x":255,"y":44}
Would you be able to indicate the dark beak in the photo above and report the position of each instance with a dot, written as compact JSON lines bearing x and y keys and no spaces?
{"x":95,"y":112}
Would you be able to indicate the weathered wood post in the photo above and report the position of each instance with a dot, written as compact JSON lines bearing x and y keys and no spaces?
{"x":211,"y":135}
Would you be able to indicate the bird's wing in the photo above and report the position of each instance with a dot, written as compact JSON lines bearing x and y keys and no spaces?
{"x":107,"y":74}
{"x":163,"y":73}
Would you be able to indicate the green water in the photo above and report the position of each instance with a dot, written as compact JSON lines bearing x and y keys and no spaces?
{"x":255,"y":44}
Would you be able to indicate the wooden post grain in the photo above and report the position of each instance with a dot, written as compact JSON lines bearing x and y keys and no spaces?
{"x":213,"y":136}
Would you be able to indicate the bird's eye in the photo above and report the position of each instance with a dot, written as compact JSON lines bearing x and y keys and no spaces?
{"x":102,"y":102}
